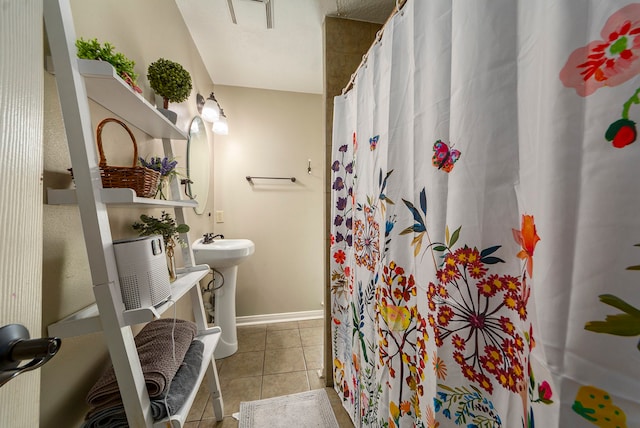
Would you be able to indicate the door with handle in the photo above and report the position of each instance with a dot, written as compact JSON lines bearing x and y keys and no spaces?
{"x":20,"y":354}
{"x":21,"y":154}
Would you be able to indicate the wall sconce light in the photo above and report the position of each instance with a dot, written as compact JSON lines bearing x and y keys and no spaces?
{"x":211,"y":109}
{"x":221,"y":126}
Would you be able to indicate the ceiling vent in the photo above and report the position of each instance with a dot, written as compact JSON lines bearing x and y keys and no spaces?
{"x":268,"y":5}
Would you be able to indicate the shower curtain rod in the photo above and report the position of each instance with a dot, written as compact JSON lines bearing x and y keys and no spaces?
{"x":399,"y":5}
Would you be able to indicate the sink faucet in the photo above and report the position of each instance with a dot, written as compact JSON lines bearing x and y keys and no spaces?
{"x":209,"y":237}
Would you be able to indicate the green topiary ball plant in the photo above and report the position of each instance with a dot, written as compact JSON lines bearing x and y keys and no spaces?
{"x":169,"y":80}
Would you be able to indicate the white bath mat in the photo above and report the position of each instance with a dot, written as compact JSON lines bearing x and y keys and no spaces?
{"x":310,"y":409}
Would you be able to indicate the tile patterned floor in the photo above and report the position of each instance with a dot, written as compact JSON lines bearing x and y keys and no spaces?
{"x":272,"y":360}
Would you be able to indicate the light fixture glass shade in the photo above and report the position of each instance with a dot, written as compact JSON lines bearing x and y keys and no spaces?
{"x":210,"y":111}
{"x":221,"y":126}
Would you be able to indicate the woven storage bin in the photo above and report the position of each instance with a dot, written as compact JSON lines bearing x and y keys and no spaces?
{"x":144,"y":181}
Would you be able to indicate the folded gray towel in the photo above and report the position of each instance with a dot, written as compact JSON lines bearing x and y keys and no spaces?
{"x":154,"y":344}
{"x":181,"y":386}
{"x":113,"y":417}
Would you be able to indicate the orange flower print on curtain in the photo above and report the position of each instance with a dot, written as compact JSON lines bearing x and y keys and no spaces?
{"x":610,"y":62}
{"x":527,"y":238}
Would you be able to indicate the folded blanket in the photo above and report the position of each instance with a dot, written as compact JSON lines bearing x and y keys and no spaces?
{"x":181,"y":386}
{"x":154,"y":344}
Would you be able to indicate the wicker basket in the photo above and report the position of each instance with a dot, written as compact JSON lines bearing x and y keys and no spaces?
{"x":144,"y":181}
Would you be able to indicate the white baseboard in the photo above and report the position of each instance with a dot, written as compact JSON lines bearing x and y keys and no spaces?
{"x":288,"y":316}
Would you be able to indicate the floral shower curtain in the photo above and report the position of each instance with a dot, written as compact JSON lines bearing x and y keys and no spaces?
{"x":486,"y":218}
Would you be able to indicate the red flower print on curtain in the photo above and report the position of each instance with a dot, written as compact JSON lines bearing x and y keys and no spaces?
{"x":470,"y":318}
{"x":610,"y":62}
{"x":482,"y":316}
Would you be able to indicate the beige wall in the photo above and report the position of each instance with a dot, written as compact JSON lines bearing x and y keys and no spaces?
{"x":144,"y":30}
{"x":273,"y":133}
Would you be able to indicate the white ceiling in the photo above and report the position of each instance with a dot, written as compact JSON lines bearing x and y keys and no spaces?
{"x":287,"y":57}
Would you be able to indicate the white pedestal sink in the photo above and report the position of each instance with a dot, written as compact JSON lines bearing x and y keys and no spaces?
{"x":224,"y":255}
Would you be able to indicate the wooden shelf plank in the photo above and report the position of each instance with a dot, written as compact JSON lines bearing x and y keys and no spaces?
{"x":87,"y":320}
{"x":210,"y":338}
{"x":113,"y":196}
{"x":106,"y":88}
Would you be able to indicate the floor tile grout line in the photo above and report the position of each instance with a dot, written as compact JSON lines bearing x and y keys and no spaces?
{"x":264,"y":359}
{"x":304,"y":360}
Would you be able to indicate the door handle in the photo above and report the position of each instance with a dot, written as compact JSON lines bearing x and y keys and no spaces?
{"x":15,"y":347}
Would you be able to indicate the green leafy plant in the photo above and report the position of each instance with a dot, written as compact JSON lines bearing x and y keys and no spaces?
{"x":93,"y":49}
{"x":169,"y":80}
{"x":165,"y":226}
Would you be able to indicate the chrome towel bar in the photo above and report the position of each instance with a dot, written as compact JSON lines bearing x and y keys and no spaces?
{"x":251,"y":178}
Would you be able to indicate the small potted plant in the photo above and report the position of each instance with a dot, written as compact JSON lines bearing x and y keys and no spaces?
{"x":167,"y":169}
{"x":170,"y":231}
{"x":170,"y":81}
{"x":93,"y":49}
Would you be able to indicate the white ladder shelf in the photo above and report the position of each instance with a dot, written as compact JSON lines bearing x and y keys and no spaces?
{"x":78,"y":81}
